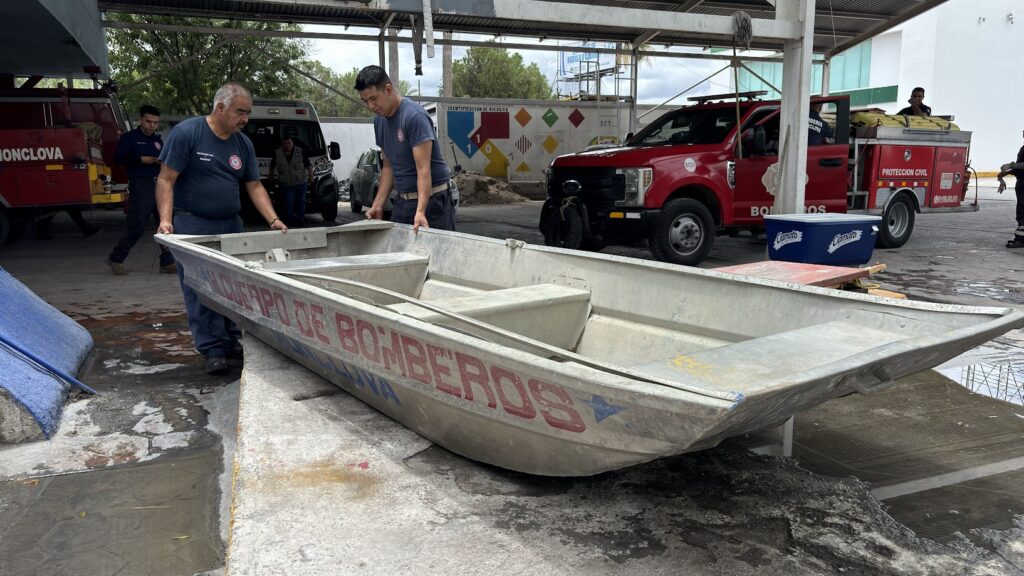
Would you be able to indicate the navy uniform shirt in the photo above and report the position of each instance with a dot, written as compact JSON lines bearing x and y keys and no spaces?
{"x":132,"y":146}
{"x":817,"y":129}
{"x":909,"y":110}
{"x":209,"y":169}
{"x":396,"y":136}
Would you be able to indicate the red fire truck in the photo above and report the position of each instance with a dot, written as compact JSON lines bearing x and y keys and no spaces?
{"x":691,"y":174}
{"x":56,"y":150}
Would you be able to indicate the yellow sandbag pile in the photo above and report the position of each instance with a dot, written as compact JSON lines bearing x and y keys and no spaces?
{"x":869,"y":119}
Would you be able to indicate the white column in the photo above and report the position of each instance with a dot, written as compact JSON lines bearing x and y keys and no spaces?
{"x":796,"y":90}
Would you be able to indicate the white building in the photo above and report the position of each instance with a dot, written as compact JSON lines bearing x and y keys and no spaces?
{"x":964,"y":53}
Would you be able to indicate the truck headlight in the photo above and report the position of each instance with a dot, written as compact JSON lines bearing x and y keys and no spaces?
{"x":323,"y":169}
{"x":637,"y":182}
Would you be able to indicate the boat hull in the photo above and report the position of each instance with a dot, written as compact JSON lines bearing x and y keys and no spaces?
{"x":513,"y":408}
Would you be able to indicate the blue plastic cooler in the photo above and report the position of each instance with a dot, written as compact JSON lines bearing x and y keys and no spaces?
{"x":834,"y":239}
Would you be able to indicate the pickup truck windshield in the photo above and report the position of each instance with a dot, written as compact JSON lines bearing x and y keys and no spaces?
{"x":266,"y":136}
{"x":689,"y":126}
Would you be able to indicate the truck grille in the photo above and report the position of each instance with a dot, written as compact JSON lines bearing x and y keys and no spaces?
{"x":596,"y":184}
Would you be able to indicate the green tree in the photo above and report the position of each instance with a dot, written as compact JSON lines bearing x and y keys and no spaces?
{"x":492,"y":72}
{"x":188,"y":89}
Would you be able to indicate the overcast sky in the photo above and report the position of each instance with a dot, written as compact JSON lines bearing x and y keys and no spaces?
{"x":660,"y":78}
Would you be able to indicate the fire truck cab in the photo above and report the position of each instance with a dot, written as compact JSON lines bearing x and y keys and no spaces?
{"x":696,"y":172}
{"x":56,"y":152}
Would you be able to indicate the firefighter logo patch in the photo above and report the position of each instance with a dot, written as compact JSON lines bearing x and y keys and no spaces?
{"x":906,"y":154}
{"x":401,"y":135}
{"x":157,"y":145}
{"x":235,"y":162}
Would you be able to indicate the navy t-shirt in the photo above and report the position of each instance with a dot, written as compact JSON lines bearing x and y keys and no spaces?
{"x":132,"y":146}
{"x":396,"y":136}
{"x":209,"y":169}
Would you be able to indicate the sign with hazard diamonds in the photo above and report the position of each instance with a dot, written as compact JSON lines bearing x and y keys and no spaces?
{"x":518,"y":141}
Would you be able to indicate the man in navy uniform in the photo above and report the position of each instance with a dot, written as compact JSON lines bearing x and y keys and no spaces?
{"x":139,"y":151}
{"x":413,"y":165}
{"x":204,"y":161}
{"x":917,"y":106}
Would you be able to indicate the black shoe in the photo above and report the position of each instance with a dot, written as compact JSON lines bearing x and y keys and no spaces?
{"x":1017,"y":242}
{"x":217,"y":365}
{"x":236,"y":352}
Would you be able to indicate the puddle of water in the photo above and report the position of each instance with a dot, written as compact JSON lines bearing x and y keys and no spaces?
{"x":1003,"y":381}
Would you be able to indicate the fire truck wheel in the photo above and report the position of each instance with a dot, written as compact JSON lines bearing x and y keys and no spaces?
{"x":357,"y":206}
{"x":564,"y":229}
{"x":684,"y":233}
{"x":897,"y":223}
{"x":5,"y":227}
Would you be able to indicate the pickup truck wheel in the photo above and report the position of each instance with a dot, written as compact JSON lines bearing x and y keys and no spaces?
{"x":897,"y":224}
{"x":684,"y":233}
{"x":564,"y":229}
{"x":329,"y":211}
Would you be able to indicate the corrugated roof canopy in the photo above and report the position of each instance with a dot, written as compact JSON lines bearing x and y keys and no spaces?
{"x":839,"y":24}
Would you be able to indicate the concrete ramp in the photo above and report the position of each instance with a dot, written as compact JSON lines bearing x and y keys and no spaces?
{"x":32,"y":396}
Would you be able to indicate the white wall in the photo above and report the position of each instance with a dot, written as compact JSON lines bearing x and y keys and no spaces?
{"x":354,"y":135}
{"x":966,"y":55}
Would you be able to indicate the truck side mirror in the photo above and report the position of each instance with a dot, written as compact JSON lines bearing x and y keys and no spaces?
{"x":335,"y":151}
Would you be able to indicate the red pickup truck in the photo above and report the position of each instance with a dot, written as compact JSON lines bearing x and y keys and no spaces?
{"x":691,"y":174}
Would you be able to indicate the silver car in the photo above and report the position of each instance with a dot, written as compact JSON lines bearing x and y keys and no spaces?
{"x":365,"y":178}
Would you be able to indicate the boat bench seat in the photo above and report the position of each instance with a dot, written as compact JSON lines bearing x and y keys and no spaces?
{"x":549,"y":313}
{"x":760,"y":363}
{"x":401,"y":272}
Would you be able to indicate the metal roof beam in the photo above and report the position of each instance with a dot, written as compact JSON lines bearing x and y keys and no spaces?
{"x":629,"y":18}
{"x":922,"y":7}
{"x":367,"y":38}
{"x":760,"y":9}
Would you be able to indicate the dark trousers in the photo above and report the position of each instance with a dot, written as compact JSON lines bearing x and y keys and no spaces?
{"x":212,"y":333}
{"x":1019,"y":188}
{"x":141,"y":205}
{"x":294,"y":203}
{"x":440,"y":211}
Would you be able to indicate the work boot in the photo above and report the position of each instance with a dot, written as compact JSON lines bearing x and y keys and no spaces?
{"x":236,"y":352}
{"x":171,"y":268}
{"x":118,"y":268}
{"x":217,"y":365}
{"x":1016,"y":242}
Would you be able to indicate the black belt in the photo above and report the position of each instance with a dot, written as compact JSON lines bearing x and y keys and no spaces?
{"x":439,"y":189}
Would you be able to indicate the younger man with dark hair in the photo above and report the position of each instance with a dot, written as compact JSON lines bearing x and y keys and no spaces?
{"x":139,"y":152}
{"x":917,"y":106}
{"x":413,"y":165}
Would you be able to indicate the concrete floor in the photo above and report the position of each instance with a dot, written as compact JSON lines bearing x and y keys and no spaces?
{"x":143,"y":458}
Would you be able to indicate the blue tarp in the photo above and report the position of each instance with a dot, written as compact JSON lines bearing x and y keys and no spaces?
{"x":33,"y":325}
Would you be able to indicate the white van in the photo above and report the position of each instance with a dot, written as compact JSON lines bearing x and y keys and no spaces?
{"x":270,"y":119}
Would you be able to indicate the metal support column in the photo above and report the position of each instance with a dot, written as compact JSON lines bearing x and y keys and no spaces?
{"x":826,"y":75}
{"x":634,"y":68}
{"x":796,"y":88}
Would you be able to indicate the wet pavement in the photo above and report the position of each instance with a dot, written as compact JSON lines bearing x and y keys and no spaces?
{"x":130,"y":485}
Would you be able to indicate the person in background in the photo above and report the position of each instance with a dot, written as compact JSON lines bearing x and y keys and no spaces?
{"x":138,"y":151}
{"x":818,"y":131}
{"x":917,"y":106}
{"x":1017,"y":170}
{"x":203,"y":162}
{"x":413,"y":165}
{"x":291,"y":170}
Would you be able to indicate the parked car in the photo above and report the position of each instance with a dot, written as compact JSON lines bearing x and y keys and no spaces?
{"x":365,"y":178}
